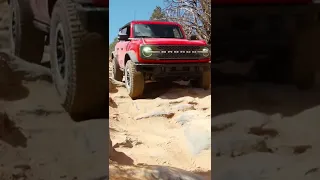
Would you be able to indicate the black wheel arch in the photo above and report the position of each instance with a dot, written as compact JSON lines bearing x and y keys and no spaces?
{"x":112,"y":54}
{"x":93,"y":18}
{"x":51,"y":3}
{"x":130,"y":55}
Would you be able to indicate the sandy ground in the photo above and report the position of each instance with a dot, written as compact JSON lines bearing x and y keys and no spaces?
{"x":264,"y":131}
{"x":38,"y":138}
{"x":169,"y":126}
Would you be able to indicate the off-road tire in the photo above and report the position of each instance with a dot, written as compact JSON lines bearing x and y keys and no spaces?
{"x":304,"y":80}
{"x":85,"y":92}
{"x":116,"y":72}
{"x":305,"y":55}
{"x":136,"y":80}
{"x":28,"y":43}
{"x":203,"y":82}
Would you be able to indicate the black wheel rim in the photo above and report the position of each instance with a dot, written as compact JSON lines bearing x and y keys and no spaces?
{"x":128,"y":78}
{"x":61,"y":54}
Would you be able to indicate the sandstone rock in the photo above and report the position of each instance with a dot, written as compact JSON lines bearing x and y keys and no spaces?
{"x":242,"y":121}
{"x":151,"y":173}
{"x":156,"y":113}
{"x":227,"y":144}
{"x":186,"y":117}
{"x":198,"y":136}
{"x":250,"y":167}
{"x":183,"y":107}
{"x":110,"y":146}
{"x":112,"y":86}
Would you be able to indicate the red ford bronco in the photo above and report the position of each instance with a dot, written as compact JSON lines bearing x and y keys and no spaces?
{"x":157,"y":50}
{"x":76,"y":32}
{"x":281,"y":36}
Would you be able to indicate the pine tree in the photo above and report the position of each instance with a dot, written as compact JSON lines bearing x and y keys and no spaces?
{"x":157,"y":14}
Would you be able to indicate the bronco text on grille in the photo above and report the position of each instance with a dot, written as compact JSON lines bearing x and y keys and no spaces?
{"x":167,"y":52}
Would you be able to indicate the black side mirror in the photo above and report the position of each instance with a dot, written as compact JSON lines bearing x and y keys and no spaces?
{"x":123,"y":37}
{"x":193,"y":37}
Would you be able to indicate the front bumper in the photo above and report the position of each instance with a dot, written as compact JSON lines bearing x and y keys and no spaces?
{"x":185,"y":70}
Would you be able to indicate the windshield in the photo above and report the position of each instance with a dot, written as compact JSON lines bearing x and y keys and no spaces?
{"x":157,"y":31}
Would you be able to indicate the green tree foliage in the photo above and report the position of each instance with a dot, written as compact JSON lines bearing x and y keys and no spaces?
{"x":157,"y":14}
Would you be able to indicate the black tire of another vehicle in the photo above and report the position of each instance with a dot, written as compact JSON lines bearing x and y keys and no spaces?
{"x":304,"y":58}
{"x":116,"y":72}
{"x":134,"y":80}
{"x":83,"y":89}
{"x":27,"y":42}
{"x":203,"y":82}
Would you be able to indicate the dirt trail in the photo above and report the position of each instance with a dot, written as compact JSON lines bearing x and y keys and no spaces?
{"x":169,"y":126}
{"x":264,"y":131}
{"x":38,"y":138}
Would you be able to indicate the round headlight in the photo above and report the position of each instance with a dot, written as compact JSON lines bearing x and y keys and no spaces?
{"x":147,"y":51}
{"x":205,"y":52}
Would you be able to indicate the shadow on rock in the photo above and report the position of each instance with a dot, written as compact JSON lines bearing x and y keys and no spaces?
{"x":99,"y":111}
{"x":112,"y":103}
{"x":172,"y":90}
{"x":10,"y":133}
{"x":10,"y":83}
{"x":205,"y":174}
{"x":234,"y":92}
{"x":121,"y":158}
{"x":26,"y":70}
{"x":38,"y":112}
{"x":154,"y":172}
{"x":113,"y":85}
{"x":170,"y":173}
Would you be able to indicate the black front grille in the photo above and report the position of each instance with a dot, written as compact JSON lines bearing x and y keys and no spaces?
{"x":177,"y":52}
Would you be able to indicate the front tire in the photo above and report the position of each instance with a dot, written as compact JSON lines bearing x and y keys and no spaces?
{"x":134,"y":80}
{"x":305,"y":56}
{"x":78,"y":64}
{"x":203,"y":82}
{"x":27,"y":42}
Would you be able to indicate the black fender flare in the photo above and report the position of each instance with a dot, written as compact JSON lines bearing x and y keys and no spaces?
{"x":115,"y":57}
{"x":113,"y":54}
{"x":92,"y":17}
{"x":131,"y":55}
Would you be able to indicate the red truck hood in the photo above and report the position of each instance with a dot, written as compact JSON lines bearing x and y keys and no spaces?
{"x":167,"y":41}
{"x":259,"y":1}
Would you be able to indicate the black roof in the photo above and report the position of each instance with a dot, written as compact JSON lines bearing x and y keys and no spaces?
{"x":138,"y":21}
{"x":125,"y":25}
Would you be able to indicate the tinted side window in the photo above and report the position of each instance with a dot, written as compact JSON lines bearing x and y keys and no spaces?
{"x":124,"y":30}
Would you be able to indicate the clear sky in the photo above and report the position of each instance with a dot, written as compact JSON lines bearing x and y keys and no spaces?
{"x":124,"y":11}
